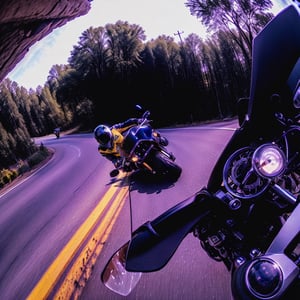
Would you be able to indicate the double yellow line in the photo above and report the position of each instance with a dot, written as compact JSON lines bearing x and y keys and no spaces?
{"x":88,"y":241}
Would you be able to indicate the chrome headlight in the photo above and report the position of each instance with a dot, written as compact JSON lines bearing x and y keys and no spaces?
{"x":269,"y":161}
{"x":264,"y":278}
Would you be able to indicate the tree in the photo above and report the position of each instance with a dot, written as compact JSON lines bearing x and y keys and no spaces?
{"x":13,"y":127}
{"x":90,"y":57}
{"x":243,"y":19}
{"x":125,"y":46}
{"x":192,"y":80}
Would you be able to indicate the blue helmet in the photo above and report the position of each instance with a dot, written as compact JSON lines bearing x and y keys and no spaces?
{"x":103,"y":135}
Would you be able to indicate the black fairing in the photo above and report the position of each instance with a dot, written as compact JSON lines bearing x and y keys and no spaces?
{"x":275,"y":70}
{"x":276,"y":50}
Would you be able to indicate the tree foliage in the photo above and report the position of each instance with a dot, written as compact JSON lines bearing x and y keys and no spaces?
{"x":242,"y":19}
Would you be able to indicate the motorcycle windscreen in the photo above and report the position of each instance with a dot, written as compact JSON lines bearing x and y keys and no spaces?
{"x":276,"y":51}
{"x":134,"y":135}
{"x":144,"y":132}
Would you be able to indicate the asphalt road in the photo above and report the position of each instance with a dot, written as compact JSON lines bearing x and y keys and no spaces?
{"x":40,"y":216}
{"x":190,"y":274}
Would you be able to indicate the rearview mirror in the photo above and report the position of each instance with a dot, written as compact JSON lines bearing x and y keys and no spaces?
{"x":115,"y":277}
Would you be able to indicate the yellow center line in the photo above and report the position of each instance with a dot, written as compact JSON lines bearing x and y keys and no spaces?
{"x":81,"y":269}
{"x":51,"y":276}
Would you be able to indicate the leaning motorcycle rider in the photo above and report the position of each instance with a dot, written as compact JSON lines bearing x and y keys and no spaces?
{"x":110,"y":139}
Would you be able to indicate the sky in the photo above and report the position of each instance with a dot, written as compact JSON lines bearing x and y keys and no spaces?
{"x":156,"y":17}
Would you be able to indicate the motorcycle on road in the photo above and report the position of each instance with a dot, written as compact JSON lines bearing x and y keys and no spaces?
{"x":144,"y":148}
{"x":56,"y":131}
{"x":248,"y":215}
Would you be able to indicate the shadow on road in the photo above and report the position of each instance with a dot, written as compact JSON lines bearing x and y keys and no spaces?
{"x":143,"y":182}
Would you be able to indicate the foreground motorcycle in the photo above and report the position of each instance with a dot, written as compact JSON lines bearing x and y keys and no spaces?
{"x":248,"y":216}
{"x":144,"y":148}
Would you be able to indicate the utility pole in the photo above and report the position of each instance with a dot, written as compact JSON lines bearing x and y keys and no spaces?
{"x":179,"y":34}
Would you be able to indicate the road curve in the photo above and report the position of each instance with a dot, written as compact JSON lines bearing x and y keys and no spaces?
{"x":41,"y":216}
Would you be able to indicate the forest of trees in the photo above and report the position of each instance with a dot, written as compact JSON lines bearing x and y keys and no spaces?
{"x":114,"y":67}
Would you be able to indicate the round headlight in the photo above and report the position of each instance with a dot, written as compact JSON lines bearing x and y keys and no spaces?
{"x":264,"y":278}
{"x":269,"y":160}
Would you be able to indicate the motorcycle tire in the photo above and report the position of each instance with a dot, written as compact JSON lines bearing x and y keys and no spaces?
{"x":163,"y":166}
{"x":164,"y":141}
{"x":114,"y":173}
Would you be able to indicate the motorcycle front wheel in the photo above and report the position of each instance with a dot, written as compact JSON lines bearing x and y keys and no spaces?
{"x":163,"y":166}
